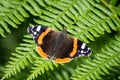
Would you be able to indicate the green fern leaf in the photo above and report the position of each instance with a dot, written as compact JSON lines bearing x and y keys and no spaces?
{"x":84,"y":19}
{"x":62,"y":72}
{"x":23,"y":56}
{"x":12,"y":14}
{"x":114,"y":74}
{"x":88,"y":18}
{"x":40,"y":67}
{"x":103,"y":62}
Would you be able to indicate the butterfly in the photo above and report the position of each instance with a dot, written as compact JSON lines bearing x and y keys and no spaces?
{"x":57,"y":46}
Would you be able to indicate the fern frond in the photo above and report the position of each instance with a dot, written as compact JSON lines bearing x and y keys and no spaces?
{"x":103,"y":62}
{"x":114,"y":74}
{"x":61,"y":72}
{"x":11,"y":14}
{"x":33,"y":7}
{"x":85,"y":19}
{"x":41,"y":65}
{"x":88,"y":18}
{"x":23,"y":56}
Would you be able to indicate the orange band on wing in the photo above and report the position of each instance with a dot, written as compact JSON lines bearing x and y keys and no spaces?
{"x":40,"y":39}
{"x":74,"y":51}
{"x":57,"y":60}
{"x":42,"y":53}
{"x":64,"y":60}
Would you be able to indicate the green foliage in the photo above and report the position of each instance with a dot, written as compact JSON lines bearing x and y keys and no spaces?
{"x":40,"y":68}
{"x":11,"y":14}
{"x":108,"y":57}
{"x":88,"y":20}
{"x":24,"y":54}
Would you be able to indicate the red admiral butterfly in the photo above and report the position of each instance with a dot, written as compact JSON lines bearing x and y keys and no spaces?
{"x":57,"y":45}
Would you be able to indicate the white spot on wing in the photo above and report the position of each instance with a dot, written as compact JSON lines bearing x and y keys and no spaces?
{"x":38,"y":28}
{"x":88,"y":48}
{"x":35,"y":33}
{"x":33,"y":26}
{"x":82,"y":51}
{"x":83,"y":46}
